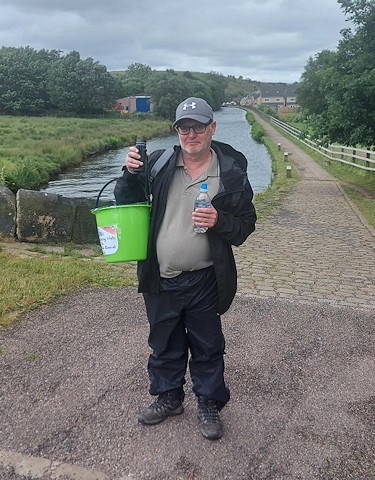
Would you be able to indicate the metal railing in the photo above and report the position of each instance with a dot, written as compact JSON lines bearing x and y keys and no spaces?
{"x":356,"y":157}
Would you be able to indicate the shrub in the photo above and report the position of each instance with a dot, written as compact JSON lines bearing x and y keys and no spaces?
{"x":257,"y":132}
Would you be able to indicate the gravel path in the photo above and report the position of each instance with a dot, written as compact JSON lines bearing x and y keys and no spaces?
{"x":300,"y":365}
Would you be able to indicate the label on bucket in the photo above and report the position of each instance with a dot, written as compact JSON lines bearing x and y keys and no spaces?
{"x":108,"y":239}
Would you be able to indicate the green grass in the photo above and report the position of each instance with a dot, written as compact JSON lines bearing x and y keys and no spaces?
{"x":268,"y":201}
{"x":29,"y":282}
{"x":33,"y":150}
{"x":365,"y":205}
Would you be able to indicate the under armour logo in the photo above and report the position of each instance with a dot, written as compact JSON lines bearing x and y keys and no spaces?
{"x":192,"y":105}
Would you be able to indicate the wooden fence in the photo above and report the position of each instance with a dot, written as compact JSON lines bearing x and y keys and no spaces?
{"x":356,"y":157}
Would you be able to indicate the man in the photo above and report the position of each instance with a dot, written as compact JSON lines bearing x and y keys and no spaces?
{"x":188,"y":278}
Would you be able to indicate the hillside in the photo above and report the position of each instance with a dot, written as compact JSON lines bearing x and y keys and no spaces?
{"x":235,"y":88}
{"x":241,"y":87}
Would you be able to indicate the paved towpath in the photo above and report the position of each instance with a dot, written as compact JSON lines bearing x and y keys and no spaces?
{"x":300,"y":365}
{"x":316,"y":247}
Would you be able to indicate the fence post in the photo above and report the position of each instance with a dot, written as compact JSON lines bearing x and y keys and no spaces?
{"x":288,"y":171}
{"x":368,"y":156}
{"x":367,"y":162}
{"x":340,"y":153}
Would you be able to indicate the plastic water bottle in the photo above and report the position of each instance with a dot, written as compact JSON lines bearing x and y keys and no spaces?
{"x":202,"y":201}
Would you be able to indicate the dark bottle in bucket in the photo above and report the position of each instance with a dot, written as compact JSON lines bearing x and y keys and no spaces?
{"x":141,"y":145}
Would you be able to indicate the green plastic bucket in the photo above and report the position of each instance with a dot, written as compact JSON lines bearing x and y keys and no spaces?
{"x":123,"y":231}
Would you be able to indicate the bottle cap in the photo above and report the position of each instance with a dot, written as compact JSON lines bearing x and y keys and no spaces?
{"x":204,"y":186}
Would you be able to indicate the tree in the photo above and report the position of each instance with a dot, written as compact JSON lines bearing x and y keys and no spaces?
{"x":23,"y":73}
{"x":360,"y":12}
{"x":34,"y":82}
{"x":217,"y":93}
{"x":352,"y":105}
{"x":311,"y":92}
{"x":338,"y":88}
{"x":167,"y":90}
{"x":131,"y":87}
{"x":80,"y":86}
{"x":134,"y":79}
{"x":139,"y":71}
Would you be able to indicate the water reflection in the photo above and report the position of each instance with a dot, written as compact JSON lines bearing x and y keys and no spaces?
{"x":232,"y":127}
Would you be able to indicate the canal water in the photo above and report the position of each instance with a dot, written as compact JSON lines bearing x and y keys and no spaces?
{"x":232,"y":127}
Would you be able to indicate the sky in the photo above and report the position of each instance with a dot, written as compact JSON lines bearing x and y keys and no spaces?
{"x":263,"y":40}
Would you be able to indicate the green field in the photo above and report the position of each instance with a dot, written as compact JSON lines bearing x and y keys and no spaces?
{"x":34,"y":150}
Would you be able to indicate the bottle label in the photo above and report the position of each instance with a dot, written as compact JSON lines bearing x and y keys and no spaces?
{"x":202,"y":204}
{"x":108,"y":239}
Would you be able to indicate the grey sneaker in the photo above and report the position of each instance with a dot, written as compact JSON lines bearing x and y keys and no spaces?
{"x":165,"y":406}
{"x":208,"y":414}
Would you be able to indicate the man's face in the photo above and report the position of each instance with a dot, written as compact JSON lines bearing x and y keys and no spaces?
{"x":194,"y":143}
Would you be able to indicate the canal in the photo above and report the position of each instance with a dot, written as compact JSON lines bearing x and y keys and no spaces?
{"x":232,"y":127}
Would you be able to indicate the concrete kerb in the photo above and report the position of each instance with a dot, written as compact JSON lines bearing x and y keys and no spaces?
{"x":32,"y":467}
{"x":365,"y":223}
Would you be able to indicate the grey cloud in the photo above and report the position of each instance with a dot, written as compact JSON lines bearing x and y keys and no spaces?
{"x":267,"y":40}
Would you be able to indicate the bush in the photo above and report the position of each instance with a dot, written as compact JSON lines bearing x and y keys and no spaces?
{"x":257,"y":132}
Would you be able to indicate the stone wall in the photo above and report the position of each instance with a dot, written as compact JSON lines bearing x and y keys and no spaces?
{"x":40,"y":217}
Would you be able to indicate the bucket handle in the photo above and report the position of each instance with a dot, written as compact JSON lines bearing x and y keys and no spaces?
{"x":101,"y":191}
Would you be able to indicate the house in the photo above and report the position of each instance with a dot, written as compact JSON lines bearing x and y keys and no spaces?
{"x":275,"y":95}
{"x":250,"y":100}
{"x":138,"y":103}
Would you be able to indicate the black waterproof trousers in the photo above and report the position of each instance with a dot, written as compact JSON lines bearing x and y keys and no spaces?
{"x":183,"y":317}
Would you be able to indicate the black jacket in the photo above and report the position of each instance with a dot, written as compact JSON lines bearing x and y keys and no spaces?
{"x":233,"y":202}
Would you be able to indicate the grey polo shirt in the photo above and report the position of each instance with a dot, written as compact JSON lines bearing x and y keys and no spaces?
{"x":179,"y":248}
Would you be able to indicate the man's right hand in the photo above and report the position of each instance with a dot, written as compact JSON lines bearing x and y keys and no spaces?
{"x":132,"y":159}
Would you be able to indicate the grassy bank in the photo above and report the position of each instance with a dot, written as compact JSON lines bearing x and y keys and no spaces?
{"x":33,"y":150}
{"x":268,"y":200}
{"x":40,"y":275}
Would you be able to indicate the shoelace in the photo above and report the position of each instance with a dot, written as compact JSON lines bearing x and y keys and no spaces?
{"x":209,"y":412}
{"x":162,"y":402}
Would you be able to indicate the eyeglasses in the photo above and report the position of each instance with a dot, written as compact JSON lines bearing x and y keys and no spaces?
{"x":197,"y":128}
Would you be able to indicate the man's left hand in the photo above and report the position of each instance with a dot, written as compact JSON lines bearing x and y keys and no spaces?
{"x":205,"y":217}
